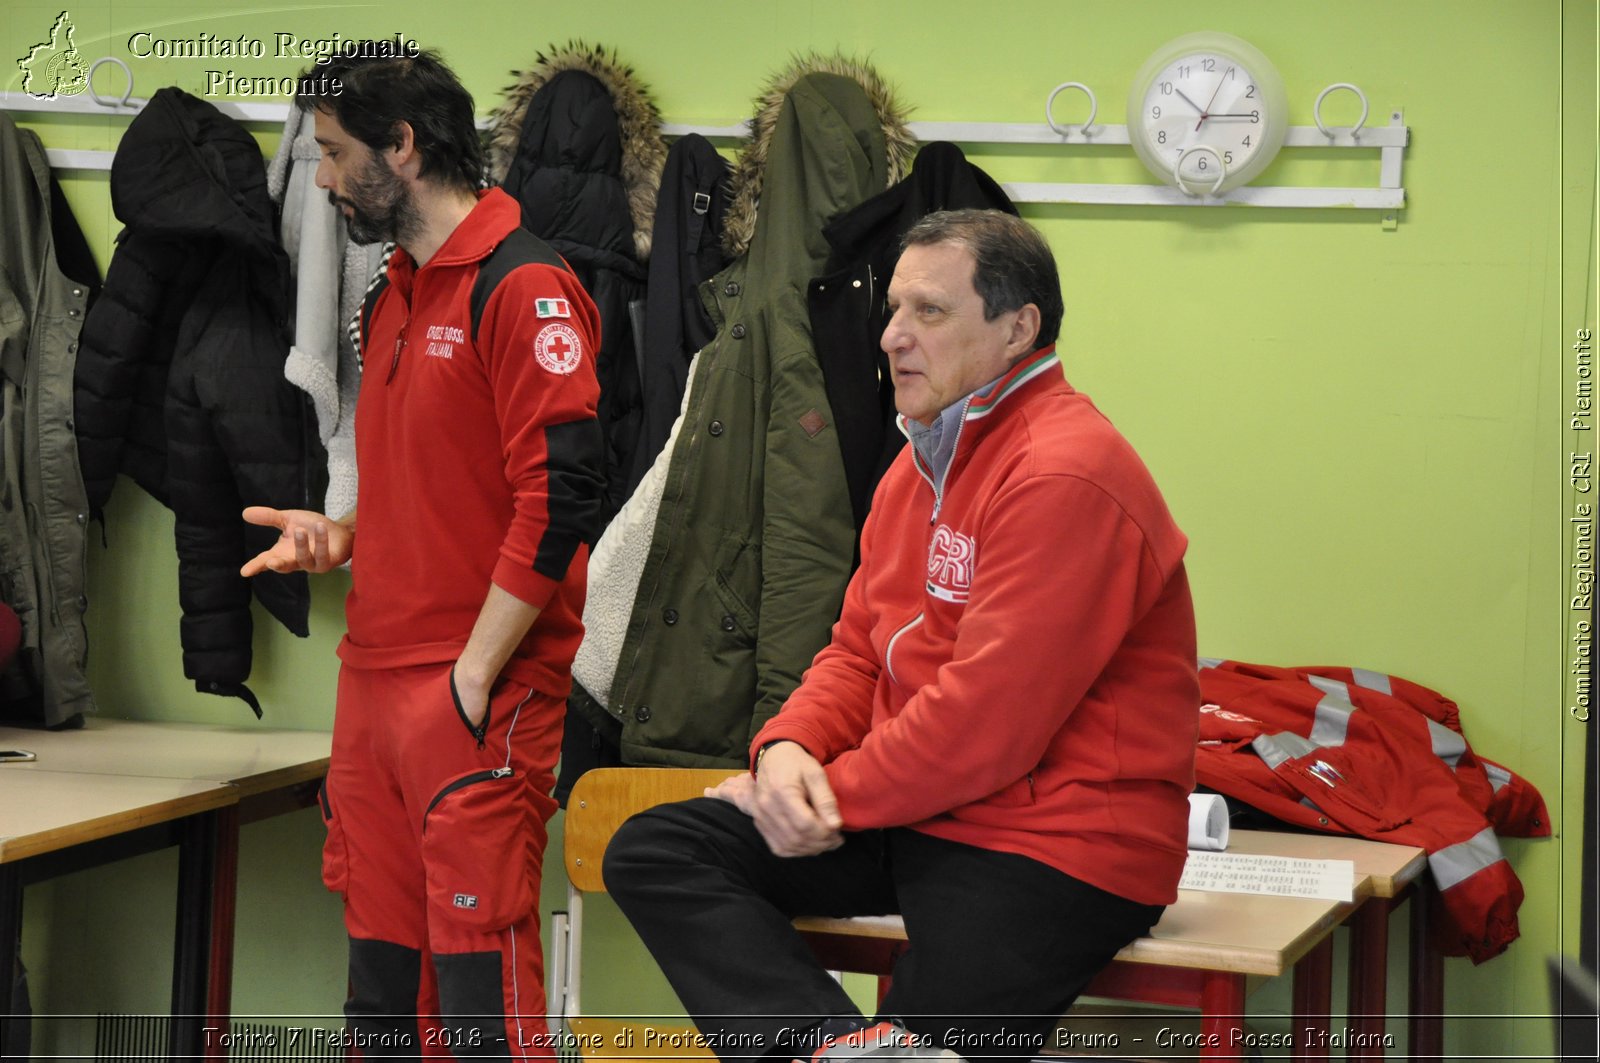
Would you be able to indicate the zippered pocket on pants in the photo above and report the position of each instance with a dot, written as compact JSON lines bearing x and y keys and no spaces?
{"x":335,"y":859}
{"x":475,"y":837}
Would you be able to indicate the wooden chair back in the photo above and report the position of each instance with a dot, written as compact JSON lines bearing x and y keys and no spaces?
{"x":604,"y":798}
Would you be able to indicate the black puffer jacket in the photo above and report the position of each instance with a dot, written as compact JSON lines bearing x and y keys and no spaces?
{"x":179,"y":381}
{"x":849,"y":307}
{"x":577,"y":142}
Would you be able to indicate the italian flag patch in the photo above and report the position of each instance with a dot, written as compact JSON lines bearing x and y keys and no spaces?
{"x":552,"y":308}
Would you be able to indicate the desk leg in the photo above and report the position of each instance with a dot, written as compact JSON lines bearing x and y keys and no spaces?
{"x":1221,"y":1015}
{"x":224,"y":901}
{"x":190,"y":948}
{"x":1313,"y":996}
{"x":1427,"y":976}
{"x":11,"y":1026}
{"x":1369,"y":972}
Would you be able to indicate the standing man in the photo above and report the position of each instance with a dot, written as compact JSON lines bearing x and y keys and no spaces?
{"x":998,"y":743}
{"x":477,"y":451}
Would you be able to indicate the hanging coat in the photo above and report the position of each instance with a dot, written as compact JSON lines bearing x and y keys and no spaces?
{"x":330,"y":275}
{"x":180,"y":381}
{"x":47,"y":281}
{"x":1350,"y":751}
{"x":687,"y":244}
{"x":744,"y":561}
{"x":849,"y":306}
{"x":577,"y":142}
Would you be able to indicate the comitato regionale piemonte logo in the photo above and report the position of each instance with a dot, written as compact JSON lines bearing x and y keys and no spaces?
{"x":54,"y":67}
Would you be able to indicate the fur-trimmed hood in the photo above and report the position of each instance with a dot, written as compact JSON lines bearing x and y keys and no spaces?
{"x":638,"y":119}
{"x":750,"y":170}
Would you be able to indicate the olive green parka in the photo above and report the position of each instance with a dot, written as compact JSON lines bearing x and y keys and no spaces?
{"x":721,"y":579}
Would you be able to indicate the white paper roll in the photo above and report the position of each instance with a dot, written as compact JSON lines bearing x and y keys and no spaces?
{"x":1208,"y":822}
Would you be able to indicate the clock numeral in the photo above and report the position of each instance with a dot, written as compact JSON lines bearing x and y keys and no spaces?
{"x":1232,"y":74}
{"x":1200,"y":163}
{"x":1166,"y":88}
{"x":1227,"y":157}
{"x":1250,"y":93}
{"x":1255,"y":117}
{"x":1184,"y":71}
{"x":1161,"y":137}
{"x":1208,"y":65}
{"x":1247,"y":142}
{"x":1155,"y":112}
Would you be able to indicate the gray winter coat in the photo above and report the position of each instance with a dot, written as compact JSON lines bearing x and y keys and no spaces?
{"x":43,"y":507}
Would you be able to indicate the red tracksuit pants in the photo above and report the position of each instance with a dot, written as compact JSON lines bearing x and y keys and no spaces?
{"x":436,"y":838}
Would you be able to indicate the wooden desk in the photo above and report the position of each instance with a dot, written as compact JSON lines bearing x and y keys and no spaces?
{"x":1395,"y":872}
{"x":1200,"y":955}
{"x":255,"y":760}
{"x":91,"y":797}
{"x":47,"y":811}
{"x":1208,"y":946}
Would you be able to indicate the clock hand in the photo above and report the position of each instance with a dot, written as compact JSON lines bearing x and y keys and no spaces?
{"x":1207,"y":112}
{"x":1190,"y":102}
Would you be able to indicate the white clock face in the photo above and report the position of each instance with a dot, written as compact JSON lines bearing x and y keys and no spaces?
{"x":1204,"y":98}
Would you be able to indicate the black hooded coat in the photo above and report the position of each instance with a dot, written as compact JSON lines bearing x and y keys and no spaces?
{"x":179,"y":382}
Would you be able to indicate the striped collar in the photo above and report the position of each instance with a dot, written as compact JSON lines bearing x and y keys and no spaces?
{"x":934,"y":446}
{"x":985,"y":400}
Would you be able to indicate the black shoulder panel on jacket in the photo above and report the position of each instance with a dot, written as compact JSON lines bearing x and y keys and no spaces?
{"x":368,"y":305}
{"x":519,"y":248}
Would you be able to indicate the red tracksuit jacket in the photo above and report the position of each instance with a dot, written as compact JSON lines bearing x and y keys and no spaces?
{"x":1013,"y":668}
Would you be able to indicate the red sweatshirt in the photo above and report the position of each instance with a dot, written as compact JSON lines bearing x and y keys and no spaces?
{"x":478,"y":460}
{"x":1014,"y":667}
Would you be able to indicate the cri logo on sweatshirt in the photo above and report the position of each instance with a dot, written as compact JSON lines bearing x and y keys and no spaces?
{"x":951,"y":556}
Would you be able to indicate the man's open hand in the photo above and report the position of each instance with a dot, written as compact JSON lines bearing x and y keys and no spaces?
{"x":309,"y":542}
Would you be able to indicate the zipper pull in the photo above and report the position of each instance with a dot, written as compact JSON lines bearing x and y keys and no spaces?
{"x":500,"y":773}
{"x":399,"y":345}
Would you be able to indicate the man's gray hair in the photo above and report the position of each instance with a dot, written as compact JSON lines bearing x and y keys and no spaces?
{"x":1013,"y":264}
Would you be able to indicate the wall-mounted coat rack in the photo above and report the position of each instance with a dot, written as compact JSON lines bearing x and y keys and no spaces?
{"x":1387,"y":195}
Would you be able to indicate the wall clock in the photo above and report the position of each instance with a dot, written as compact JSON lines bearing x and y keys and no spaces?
{"x":1207,"y":113}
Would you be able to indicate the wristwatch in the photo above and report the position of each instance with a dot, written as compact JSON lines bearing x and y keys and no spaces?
{"x":763,"y":752}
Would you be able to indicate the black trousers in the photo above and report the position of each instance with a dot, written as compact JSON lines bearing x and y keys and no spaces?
{"x":1000,"y":945}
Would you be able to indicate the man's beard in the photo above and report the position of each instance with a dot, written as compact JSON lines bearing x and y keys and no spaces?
{"x":381,"y":206}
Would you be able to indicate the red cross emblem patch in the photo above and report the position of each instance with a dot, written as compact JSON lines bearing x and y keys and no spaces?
{"x":558,"y":348}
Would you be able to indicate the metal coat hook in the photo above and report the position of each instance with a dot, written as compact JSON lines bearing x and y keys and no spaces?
{"x":127,"y":75}
{"x":1066,"y":130}
{"x":1316,"y":110}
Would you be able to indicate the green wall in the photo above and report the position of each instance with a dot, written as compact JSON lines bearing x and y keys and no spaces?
{"x":1360,"y":427}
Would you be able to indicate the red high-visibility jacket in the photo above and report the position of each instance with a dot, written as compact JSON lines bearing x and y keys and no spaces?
{"x":1355,"y":752}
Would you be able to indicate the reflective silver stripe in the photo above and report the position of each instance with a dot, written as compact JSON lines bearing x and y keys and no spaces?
{"x":1332,"y":722}
{"x":1447,"y":745}
{"x":1285,"y":745}
{"x":1210,"y":662}
{"x":1372,"y":680}
{"x":1454,"y":863}
{"x":1331,"y":687}
{"x":1498,"y":776}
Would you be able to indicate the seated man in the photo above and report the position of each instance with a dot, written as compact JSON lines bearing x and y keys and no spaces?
{"x":999,"y":741}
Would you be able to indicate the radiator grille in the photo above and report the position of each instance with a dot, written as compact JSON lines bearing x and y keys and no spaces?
{"x":140,"y":1038}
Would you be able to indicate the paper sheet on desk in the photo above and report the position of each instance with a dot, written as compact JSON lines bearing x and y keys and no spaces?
{"x":1277,"y":876}
{"x":1208,"y":822}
